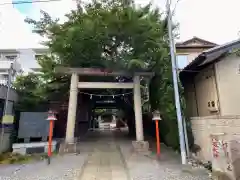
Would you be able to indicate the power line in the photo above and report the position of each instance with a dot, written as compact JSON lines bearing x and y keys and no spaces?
{"x":174,"y":10}
{"x":28,"y":2}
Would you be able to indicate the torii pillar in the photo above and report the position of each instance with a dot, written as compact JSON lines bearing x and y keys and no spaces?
{"x":72,"y":109}
{"x":139,"y":145}
{"x":138,"y":108}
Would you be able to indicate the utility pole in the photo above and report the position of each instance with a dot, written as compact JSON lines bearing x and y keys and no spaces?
{"x":6,"y":100}
{"x":175,"y":84}
{"x":8,"y":87}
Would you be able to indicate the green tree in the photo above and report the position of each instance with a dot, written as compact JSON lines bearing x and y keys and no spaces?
{"x":30,"y":91}
{"x":103,"y":33}
{"x":112,"y":34}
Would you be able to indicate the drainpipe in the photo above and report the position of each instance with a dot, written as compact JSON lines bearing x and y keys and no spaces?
{"x":217,"y":89}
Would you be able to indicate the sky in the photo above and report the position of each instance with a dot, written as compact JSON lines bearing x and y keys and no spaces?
{"x":212,"y":20}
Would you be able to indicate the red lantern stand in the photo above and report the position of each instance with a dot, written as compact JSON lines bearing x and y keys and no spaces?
{"x":51,"y":118}
{"x":156,"y":118}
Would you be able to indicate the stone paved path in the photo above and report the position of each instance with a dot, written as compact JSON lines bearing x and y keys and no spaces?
{"x":104,"y":156}
{"x":105,"y":163}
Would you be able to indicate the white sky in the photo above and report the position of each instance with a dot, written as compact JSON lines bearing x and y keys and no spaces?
{"x":213,"y":20}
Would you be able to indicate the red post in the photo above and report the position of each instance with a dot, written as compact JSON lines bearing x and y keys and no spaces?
{"x":157,"y":138}
{"x":51,"y":118}
{"x":50,"y":138}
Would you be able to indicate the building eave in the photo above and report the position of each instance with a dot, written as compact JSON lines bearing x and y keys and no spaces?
{"x":193,"y":47}
{"x":207,"y":57}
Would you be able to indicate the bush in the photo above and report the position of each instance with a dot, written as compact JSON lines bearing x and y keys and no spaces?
{"x":14,"y":158}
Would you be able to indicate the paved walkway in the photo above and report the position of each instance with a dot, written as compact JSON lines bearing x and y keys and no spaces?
{"x":105,"y":163}
{"x":105,"y":156}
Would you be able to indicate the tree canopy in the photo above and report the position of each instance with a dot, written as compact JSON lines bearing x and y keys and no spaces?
{"x":108,"y":34}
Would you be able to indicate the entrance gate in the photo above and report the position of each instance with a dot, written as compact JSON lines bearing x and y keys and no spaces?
{"x":75,"y":85}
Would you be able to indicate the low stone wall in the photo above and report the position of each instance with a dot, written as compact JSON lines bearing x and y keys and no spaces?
{"x":6,"y":142}
{"x":225,"y":157}
{"x":35,"y":147}
{"x":204,"y":128}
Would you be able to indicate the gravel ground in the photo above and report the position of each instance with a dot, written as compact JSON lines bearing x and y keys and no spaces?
{"x":166,"y":168}
{"x":112,"y":157}
{"x":66,"y":167}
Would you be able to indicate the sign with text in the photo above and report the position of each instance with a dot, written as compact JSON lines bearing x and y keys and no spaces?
{"x":33,"y":124}
{"x":7,"y":119}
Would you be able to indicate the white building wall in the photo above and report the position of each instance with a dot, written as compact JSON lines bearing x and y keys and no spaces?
{"x":228,"y":78}
{"x":28,"y":60}
{"x":25,"y":61}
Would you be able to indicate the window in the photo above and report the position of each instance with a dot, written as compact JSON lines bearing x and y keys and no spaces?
{"x":38,"y":56}
{"x":5,"y":77}
{"x":182,"y":61}
{"x":11,"y":57}
{"x":3,"y":71}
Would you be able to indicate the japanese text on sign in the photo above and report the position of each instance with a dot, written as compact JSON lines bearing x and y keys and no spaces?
{"x":215,"y":148}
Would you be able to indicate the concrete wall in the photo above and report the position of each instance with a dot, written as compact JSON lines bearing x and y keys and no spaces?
{"x":228,"y":83}
{"x":204,"y":127}
{"x":217,"y":83}
{"x":200,"y":92}
{"x":226,"y":157}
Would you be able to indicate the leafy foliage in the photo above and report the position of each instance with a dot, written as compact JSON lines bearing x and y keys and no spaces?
{"x":30,"y":90}
{"x":107,"y":34}
{"x":111,"y":34}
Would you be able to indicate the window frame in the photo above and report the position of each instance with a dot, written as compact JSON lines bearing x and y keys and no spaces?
{"x":8,"y":57}
{"x":181,"y":54}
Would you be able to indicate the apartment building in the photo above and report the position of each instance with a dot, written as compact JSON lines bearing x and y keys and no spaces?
{"x":188,"y":50}
{"x":20,"y":60}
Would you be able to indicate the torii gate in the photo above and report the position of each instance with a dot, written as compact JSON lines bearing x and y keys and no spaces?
{"x":75,"y":85}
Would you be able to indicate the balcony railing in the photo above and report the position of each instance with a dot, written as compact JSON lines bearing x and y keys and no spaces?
{"x":3,"y":81}
{"x":6,"y":64}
